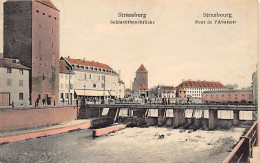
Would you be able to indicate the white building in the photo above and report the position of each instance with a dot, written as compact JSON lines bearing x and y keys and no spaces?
{"x":194,"y":89}
{"x":87,"y":79}
{"x":166,"y":91}
{"x":14,"y":83}
{"x":121,"y":89}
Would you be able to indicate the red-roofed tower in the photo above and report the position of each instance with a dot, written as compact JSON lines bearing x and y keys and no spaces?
{"x":31,"y":34}
{"x":141,"y":79}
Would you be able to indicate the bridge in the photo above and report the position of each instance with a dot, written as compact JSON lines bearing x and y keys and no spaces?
{"x":141,"y":111}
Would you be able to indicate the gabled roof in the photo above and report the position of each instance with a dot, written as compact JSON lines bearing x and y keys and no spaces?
{"x":47,"y":3}
{"x":121,"y":81}
{"x":64,"y":67}
{"x":10,"y":63}
{"x":141,"y":69}
{"x":127,"y":90}
{"x":168,"y":87}
{"x":87,"y":63}
{"x":143,"y":88}
{"x":201,"y":84}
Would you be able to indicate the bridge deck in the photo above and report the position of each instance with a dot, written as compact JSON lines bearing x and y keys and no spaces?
{"x":159,"y":106}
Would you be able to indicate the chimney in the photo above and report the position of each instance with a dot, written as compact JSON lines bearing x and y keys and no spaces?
{"x":83,"y":59}
{"x":68,"y":56}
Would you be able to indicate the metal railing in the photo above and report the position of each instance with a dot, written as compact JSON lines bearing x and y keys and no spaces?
{"x":244,"y":149}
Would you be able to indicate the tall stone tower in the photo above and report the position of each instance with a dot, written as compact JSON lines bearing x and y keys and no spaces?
{"x":31,"y":34}
{"x":141,"y":79}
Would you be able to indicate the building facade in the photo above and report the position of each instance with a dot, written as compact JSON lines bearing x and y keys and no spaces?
{"x":166,"y":91}
{"x":255,"y":86}
{"x":195,"y":89}
{"x":31,"y":34}
{"x":141,"y":78}
{"x":89,"y":79}
{"x":227,"y":97}
{"x":14,"y":83}
{"x":121,"y":89}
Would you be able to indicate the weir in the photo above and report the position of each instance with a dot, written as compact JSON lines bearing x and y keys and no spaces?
{"x":179,"y":119}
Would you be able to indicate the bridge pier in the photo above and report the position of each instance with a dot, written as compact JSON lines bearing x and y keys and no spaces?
{"x":236,"y":117}
{"x":161,"y":116}
{"x":213,"y":119}
{"x":179,"y":117}
{"x":139,"y":113}
{"x":113,"y":113}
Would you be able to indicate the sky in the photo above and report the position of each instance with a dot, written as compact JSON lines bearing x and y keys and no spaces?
{"x":172,"y":49}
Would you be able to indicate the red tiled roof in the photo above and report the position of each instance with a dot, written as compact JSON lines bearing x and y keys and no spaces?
{"x":64,"y":67}
{"x":127,"y":90}
{"x":48,"y":3}
{"x":9,"y":63}
{"x":141,"y":69}
{"x":202,"y":84}
{"x":143,"y":88}
{"x":120,"y":81}
{"x":168,"y":87}
{"x":88,"y":63}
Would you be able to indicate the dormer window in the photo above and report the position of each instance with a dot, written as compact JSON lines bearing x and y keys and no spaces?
{"x":86,"y":67}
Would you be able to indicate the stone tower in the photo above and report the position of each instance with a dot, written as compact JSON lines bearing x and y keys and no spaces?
{"x":141,"y":79}
{"x":31,"y":34}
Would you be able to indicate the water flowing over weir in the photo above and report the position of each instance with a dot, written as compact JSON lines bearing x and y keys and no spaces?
{"x":197,"y":116}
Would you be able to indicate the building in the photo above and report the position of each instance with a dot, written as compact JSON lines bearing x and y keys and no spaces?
{"x":142,"y":92}
{"x":89,"y":79}
{"x":166,"y":91}
{"x":227,"y":97}
{"x":141,"y":79}
{"x":14,"y":83}
{"x":31,"y":34}
{"x":128,"y":93}
{"x":255,"y":86}
{"x":121,"y":89}
{"x":194,"y":89}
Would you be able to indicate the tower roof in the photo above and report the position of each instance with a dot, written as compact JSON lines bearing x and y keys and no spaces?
{"x":47,"y":3}
{"x":141,"y":69}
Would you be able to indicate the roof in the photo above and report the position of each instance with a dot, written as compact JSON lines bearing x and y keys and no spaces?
{"x":87,"y":63}
{"x":201,"y":84}
{"x":141,"y":69}
{"x":11,"y":63}
{"x":229,"y":91}
{"x":143,"y":88}
{"x":168,"y":87}
{"x":121,"y":81}
{"x":64,"y":67}
{"x":47,"y":3}
{"x":127,"y":90}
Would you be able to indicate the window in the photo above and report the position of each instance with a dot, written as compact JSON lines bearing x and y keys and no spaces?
{"x":85,"y":76}
{"x":89,"y":76}
{"x":20,"y":96}
{"x":61,"y":95}
{"x":71,"y":86}
{"x":9,"y":70}
{"x":21,"y":72}
{"x":66,"y":95}
{"x":37,"y":11}
{"x":9,"y":82}
{"x":43,"y":13}
{"x":43,"y":77}
{"x":94,"y":85}
{"x":20,"y":82}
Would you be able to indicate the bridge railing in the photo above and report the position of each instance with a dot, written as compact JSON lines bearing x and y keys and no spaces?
{"x":244,"y":149}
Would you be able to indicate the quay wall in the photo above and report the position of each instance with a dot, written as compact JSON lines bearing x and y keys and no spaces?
{"x":27,"y":118}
